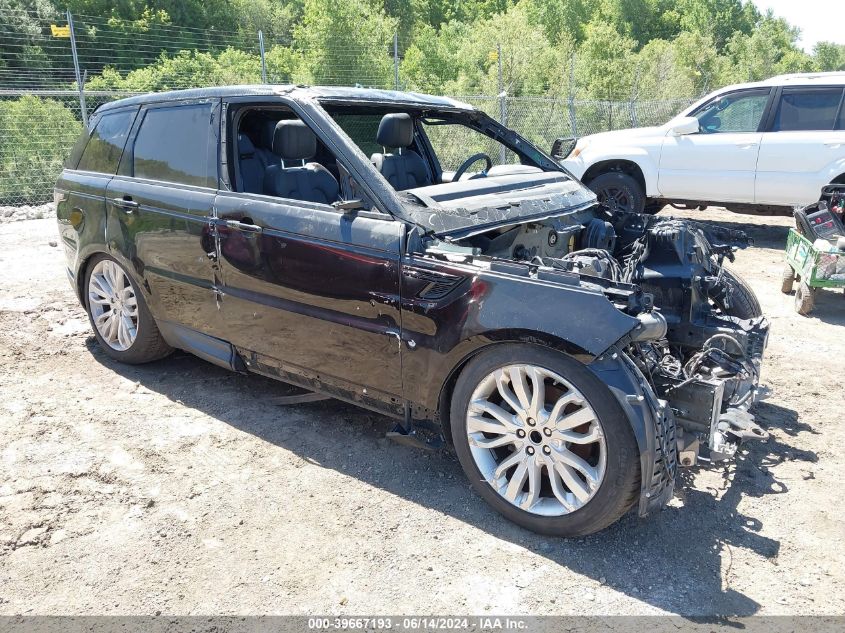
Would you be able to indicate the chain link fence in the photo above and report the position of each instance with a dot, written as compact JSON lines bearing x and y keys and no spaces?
{"x":42,"y":109}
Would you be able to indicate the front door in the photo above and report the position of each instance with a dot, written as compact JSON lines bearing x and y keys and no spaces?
{"x":160,"y":207}
{"x":312,"y":291}
{"x":717,"y":163}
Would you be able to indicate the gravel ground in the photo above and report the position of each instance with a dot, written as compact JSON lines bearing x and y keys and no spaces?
{"x":175,"y":488}
{"x":27,"y":212}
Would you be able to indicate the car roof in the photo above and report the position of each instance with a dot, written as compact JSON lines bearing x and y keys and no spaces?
{"x":335,"y":94}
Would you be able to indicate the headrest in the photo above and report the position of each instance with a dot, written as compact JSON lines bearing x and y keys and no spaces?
{"x":395,"y":130}
{"x":245,"y":147}
{"x":268,"y":131}
{"x":294,"y":141}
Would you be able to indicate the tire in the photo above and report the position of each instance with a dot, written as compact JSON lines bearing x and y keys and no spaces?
{"x":788,"y":279}
{"x":743,"y":303}
{"x":619,"y":192}
{"x":146,"y":344}
{"x":607,"y":497}
{"x":805,"y":299}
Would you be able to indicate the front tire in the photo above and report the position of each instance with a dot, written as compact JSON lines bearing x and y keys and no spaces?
{"x":619,"y":191}
{"x":735,"y":297}
{"x":119,"y":316}
{"x":544,"y":441}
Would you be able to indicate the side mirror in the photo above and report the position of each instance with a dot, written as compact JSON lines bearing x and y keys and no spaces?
{"x":562,"y":147}
{"x":683,"y":126}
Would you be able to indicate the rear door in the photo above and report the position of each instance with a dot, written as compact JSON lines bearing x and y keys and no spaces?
{"x":160,"y":208}
{"x":802,"y":144}
{"x":717,"y":163}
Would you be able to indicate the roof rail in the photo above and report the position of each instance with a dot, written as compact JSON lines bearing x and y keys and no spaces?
{"x":819,"y":75}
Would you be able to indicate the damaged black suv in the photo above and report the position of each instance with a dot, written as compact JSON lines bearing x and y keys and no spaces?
{"x":409,"y":254}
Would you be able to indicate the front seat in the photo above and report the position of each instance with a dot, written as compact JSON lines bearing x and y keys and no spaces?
{"x":404,"y":169}
{"x":250,"y":167}
{"x":311,"y":182}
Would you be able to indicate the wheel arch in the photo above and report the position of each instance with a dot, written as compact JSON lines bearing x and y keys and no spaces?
{"x":620,"y":165}
{"x":495,"y":339}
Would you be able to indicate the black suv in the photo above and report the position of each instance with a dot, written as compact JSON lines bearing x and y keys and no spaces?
{"x":409,"y":254}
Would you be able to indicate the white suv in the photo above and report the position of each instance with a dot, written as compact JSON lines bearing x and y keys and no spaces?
{"x":757,"y":147}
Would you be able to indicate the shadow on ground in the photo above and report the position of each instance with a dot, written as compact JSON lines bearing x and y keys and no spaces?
{"x":672,"y":560}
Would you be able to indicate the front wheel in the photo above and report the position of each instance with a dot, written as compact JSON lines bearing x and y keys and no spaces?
{"x":619,"y":191}
{"x":544,"y":441}
{"x":734,"y":297}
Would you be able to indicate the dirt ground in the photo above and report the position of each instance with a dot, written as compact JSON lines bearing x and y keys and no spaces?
{"x":174,"y":488}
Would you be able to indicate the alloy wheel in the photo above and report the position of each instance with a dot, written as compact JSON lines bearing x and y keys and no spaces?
{"x":615,"y":199}
{"x":536,"y":440}
{"x":113,"y":305}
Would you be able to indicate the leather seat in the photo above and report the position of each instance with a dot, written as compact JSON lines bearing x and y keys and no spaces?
{"x":264,"y":147}
{"x":311,"y":182}
{"x":251,"y":168}
{"x":405,"y":169}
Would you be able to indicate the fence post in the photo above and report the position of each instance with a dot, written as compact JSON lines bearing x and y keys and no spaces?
{"x":573,"y":121}
{"x":82,"y":109}
{"x":396,"y":60}
{"x":261,"y":51}
{"x":503,"y":104}
{"x":635,"y":93}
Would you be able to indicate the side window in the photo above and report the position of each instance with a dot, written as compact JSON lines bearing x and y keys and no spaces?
{"x":103,"y":151}
{"x":738,"y":112}
{"x":807,"y":110}
{"x":172,"y":145}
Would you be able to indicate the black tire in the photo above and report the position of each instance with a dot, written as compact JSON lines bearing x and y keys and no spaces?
{"x":743,"y":303}
{"x":788,"y":279}
{"x":619,"y":489}
{"x":619,"y":191}
{"x":148,"y":345}
{"x":805,"y":299}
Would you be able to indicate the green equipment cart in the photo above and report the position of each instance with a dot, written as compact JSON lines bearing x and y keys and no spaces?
{"x":814,"y":254}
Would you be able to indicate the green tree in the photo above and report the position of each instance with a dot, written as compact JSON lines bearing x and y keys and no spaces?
{"x":30,"y":164}
{"x":605,"y":63}
{"x":345,"y":43}
{"x":829,"y":56}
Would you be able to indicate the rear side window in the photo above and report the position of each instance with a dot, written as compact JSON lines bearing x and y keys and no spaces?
{"x":807,"y":110}
{"x":172,"y":145}
{"x":103,"y":151}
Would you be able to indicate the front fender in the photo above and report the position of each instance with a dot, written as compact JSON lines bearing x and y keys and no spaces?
{"x":639,"y":156}
{"x":489,"y":307}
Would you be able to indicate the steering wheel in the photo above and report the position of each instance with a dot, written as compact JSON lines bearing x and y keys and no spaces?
{"x":469,"y":162}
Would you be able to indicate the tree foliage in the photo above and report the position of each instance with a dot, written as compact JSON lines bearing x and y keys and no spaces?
{"x":595,"y":49}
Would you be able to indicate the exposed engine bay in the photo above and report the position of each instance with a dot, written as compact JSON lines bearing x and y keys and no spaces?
{"x":701,"y":337}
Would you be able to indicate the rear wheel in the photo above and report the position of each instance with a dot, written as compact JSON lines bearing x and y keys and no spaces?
{"x":544,"y":441}
{"x":804,"y":299}
{"x":788,"y":279}
{"x":122,"y":323}
{"x":619,"y":192}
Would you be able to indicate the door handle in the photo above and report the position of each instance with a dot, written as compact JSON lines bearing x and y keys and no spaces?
{"x":747,"y":145}
{"x":243,"y":226}
{"x":833,"y":144}
{"x":126,"y":203}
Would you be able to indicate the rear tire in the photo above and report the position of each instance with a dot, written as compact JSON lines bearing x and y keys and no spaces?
{"x":805,"y":299}
{"x":619,"y":192}
{"x":788,"y":279}
{"x":566,"y":506}
{"x":114,"y":293}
